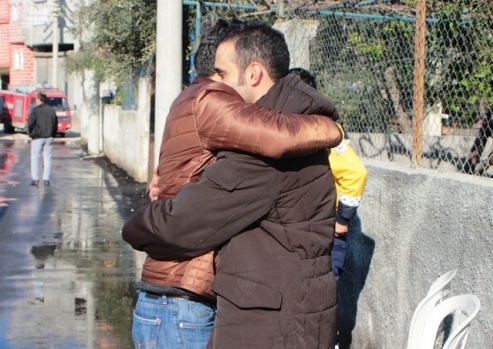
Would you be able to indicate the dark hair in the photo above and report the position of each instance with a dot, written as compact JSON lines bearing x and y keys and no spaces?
{"x":206,"y":53}
{"x":259,"y":42}
{"x":42,"y":97}
{"x":305,"y":76}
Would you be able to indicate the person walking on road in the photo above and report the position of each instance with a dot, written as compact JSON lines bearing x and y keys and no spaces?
{"x":42,"y":127}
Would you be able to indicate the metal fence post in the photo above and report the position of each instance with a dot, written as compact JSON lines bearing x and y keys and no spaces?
{"x":419,"y":71}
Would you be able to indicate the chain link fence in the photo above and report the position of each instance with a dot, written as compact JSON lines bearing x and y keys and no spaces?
{"x":412,"y":80}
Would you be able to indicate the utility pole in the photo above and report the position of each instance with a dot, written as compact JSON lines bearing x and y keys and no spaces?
{"x":55,"y":45}
{"x":168,"y":64}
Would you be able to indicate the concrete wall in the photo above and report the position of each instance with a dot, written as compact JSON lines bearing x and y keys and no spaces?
{"x":38,"y":22}
{"x":413,"y":226}
{"x":126,"y":136}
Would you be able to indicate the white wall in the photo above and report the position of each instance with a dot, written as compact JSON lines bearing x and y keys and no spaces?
{"x":126,"y":135}
{"x":413,"y":225}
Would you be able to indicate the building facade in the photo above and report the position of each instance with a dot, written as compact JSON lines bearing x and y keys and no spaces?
{"x":35,"y":38}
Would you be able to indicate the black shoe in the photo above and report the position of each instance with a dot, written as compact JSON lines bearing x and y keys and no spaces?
{"x":47,"y":183}
{"x":34,"y":183}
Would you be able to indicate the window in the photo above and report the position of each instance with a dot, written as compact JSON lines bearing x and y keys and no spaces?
{"x":18,"y":108}
{"x":18,"y":60}
{"x":41,"y":14}
{"x":15,"y":13}
{"x":58,"y":103}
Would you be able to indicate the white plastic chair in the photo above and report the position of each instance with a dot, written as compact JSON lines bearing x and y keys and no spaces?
{"x":463,"y":308}
{"x":437,"y":292}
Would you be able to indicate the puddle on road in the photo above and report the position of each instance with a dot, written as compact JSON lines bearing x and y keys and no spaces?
{"x":7,"y":161}
{"x":68,"y":282}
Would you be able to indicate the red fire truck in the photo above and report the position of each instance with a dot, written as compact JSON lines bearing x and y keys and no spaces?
{"x":15,"y":107}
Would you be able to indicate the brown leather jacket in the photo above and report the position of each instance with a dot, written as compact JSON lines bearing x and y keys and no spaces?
{"x":209,"y":116}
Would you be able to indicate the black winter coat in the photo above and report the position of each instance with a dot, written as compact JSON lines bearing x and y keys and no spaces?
{"x":43,"y":122}
{"x":274,"y":283}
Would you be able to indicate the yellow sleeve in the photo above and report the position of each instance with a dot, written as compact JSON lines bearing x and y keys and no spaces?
{"x":349,"y":172}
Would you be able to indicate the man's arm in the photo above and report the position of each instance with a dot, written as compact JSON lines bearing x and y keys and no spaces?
{"x":31,"y":121}
{"x":54,"y":118}
{"x":224,"y":121}
{"x":231,"y":195}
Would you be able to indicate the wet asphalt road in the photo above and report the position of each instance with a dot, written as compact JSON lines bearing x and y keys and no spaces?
{"x":66,"y":277}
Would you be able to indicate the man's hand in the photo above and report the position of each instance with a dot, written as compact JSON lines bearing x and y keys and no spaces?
{"x":154,"y":187}
{"x":341,"y":229}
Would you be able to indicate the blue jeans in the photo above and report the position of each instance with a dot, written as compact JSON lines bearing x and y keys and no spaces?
{"x":38,"y":146}
{"x":161,"y":322}
{"x":339,"y":251}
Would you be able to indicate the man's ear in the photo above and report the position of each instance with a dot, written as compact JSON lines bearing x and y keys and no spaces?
{"x":255,"y":74}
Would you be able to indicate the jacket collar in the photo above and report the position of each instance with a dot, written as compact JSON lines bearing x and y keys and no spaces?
{"x":276,"y":96}
{"x":201,"y":79}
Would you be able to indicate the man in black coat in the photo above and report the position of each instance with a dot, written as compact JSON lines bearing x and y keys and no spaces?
{"x":272,"y":221}
{"x":42,"y":126}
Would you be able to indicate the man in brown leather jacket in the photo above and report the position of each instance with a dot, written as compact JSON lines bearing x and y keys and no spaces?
{"x":273,"y":281}
{"x":175,"y":307}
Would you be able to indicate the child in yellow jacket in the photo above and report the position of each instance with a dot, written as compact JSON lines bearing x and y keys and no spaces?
{"x":350,"y":177}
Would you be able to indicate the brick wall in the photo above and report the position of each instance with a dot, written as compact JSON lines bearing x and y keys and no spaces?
{"x":4,"y":12}
{"x":25,"y":72}
{"x":4,"y":46}
{"x":14,"y":56}
{"x":16,"y":34}
{"x":4,"y":34}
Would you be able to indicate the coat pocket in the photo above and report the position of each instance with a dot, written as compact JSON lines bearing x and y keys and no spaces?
{"x":223,"y":175}
{"x":245,"y":293}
